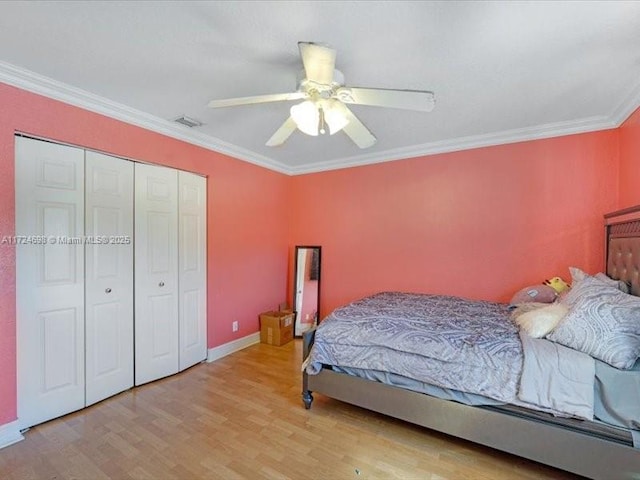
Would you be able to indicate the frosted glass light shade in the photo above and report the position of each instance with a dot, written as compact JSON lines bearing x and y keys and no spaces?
{"x":334,"y":117}
{"x":307,"y":117}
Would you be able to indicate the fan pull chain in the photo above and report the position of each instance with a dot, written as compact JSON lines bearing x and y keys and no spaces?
{"x":321,"y":120}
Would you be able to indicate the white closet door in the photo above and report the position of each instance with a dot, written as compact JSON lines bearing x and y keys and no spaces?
{"x":109,"y":276}
{"x":192,"y":247}
{"x":156,"y":272}
{"x":49,"y":280}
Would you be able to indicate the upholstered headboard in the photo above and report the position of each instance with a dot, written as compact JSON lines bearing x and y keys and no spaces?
{"x":622,"y":230}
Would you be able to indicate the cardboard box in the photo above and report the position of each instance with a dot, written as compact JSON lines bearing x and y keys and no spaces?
{"x":276,"y":328}
{"x":284,"y":307}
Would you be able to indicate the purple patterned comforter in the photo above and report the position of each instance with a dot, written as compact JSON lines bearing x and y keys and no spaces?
{"x":467,"y":345}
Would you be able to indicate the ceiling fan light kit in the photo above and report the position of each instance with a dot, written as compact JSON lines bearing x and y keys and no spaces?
{"x":325,"y":97}
{"x":311,"y":117}
{"x":306,"y":116}
{"x":334,"y":116}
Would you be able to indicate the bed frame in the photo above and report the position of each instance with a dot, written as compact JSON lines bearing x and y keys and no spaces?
{"x":536,"y":439}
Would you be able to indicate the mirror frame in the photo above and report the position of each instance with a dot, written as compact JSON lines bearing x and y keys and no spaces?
{"x":295,"y":284}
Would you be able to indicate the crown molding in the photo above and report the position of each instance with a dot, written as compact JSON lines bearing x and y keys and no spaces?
{"x":590,"y":124}
{"x":48,"y":87}
{"x":629,"y":105}
{"x":550,"y":130}
{"x":36,"y":83}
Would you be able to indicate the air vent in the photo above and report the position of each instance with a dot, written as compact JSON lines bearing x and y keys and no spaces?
{"x":189,"y":122}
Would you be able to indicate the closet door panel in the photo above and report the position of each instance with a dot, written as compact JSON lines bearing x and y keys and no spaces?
{"x":49,"y":280}
{"x":162,"y":327}
{"x":192,"y":263}
{"x":156,"y":273}
{"x":109,"y":276}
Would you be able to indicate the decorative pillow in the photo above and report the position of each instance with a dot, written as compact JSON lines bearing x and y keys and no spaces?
{"x":578,"y":276}
{"x":602,"y":322}
{"x":619,"y":284}
{"x":539,"y":322}
{"x":534,"y":293}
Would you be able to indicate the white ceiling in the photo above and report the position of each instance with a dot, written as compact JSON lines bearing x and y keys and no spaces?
{"x":501,"y":71}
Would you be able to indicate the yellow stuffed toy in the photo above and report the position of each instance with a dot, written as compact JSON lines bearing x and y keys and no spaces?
{"x":557,"y":284}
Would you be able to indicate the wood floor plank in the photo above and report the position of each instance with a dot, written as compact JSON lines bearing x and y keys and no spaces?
{"x":241,"y":417}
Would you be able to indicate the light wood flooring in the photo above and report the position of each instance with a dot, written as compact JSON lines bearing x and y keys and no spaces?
{"x":241,"y":417}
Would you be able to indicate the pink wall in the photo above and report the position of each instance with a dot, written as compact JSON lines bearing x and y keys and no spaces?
{"x":247,"y":217}
{"x":630,"y":161}
{"x":479,"y":223}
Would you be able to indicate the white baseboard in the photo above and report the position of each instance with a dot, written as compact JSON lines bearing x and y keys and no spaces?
{"x":220,"y":351}
{"x":10,"y":434}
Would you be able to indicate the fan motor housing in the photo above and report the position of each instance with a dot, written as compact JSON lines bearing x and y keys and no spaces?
{"x":324,"y":91}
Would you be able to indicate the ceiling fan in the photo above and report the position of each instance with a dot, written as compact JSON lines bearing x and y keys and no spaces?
{"x":325,"y":96}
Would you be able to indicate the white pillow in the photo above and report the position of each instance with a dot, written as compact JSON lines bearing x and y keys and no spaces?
{"x":578,"y":275}
{"x":619,"y":284}
{"x":602,"y":322}
{"x":538,"y":323}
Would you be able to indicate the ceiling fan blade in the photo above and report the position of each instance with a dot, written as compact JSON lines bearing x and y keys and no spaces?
{"x":319,"y":62}
{"x":355,"y":129}
{"x":380,"y":97}
{"x":276,"y":97}
{"x":281,"y":135}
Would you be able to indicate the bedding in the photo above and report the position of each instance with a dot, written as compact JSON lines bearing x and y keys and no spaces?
{"x":468,"y":346}
{"x":417,"y":386}
{"x":617,"y":395}
{"x":577,"y":275}
{"x":602,"y":322}
{"x":556,"y":378}
{"x":446,"y":341}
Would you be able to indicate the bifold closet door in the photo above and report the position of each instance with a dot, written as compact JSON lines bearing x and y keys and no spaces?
{"x":192,"y":261}
{"x":156,"y":273}
{"x":49,"y":280}
{"x":109,"y":276}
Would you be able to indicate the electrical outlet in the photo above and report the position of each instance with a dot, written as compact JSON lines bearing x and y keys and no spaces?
{"x":234,"y":326}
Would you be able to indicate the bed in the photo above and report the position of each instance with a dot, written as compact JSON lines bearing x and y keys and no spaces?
{"x":599,"y":449}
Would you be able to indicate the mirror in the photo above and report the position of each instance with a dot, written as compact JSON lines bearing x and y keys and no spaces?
{"x":306,"y":293}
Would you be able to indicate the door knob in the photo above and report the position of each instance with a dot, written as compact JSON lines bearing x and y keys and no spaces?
{"x":107,"y":290}
{"x":161,"y":284}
